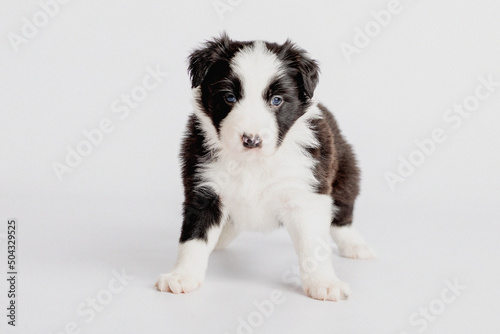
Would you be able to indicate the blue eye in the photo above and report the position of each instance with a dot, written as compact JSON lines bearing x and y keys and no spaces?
{"x":276,"y":100}
{"x":230,"y":98}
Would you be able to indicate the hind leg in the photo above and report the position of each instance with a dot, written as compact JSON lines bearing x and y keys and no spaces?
{"x":350,"y":243}
{"x":229,"y":232}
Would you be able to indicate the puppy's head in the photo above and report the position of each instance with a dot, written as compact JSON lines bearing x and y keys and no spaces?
{"x":252,"y":92}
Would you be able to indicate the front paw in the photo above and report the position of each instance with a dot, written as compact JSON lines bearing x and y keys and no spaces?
{"x":178,"y":282}
{"x":326,"y":288}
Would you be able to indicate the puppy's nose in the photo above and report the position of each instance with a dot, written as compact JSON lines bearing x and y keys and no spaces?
{"x":250,"y":141}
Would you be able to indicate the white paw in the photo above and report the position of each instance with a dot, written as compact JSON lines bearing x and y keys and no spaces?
{"x":178,"y":282}
{"x":326,"y":288}
{"x":358,"y":251}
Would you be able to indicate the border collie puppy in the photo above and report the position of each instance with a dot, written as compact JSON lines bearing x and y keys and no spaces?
{"x":259,"y":153}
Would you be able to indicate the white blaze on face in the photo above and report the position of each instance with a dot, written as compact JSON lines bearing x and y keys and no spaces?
{"x":255,"y":66}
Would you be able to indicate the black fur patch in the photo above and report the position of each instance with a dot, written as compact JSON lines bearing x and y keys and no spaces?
{"x":202,"y":208}
{"x":336,"y":169}
{"x":219,"y":82}
{"x":209,"y":68}
{"x":292,"y":106}
{"x":300,"y":67}
{"x":297,"y":84}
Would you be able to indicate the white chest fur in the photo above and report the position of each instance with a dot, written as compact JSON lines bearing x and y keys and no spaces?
{"x":256,"y":191}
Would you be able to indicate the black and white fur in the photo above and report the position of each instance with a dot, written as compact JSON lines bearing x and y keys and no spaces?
{"x":260,"y":153}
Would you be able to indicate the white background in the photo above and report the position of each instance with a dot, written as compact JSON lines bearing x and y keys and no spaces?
{"x":120,"y":208}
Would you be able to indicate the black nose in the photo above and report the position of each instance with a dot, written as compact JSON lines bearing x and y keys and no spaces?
{"x":250,"y":141}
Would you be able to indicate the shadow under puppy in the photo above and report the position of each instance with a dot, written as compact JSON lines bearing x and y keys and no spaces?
{"x":259,"y":153}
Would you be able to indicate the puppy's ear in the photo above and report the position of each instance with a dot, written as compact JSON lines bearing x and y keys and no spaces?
{"x":307,"y":68}
{"x":201,"y":60}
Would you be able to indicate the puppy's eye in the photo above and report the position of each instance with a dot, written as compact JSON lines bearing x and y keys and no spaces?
{"x":230,"y":98}
{"x":276,"y":100}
